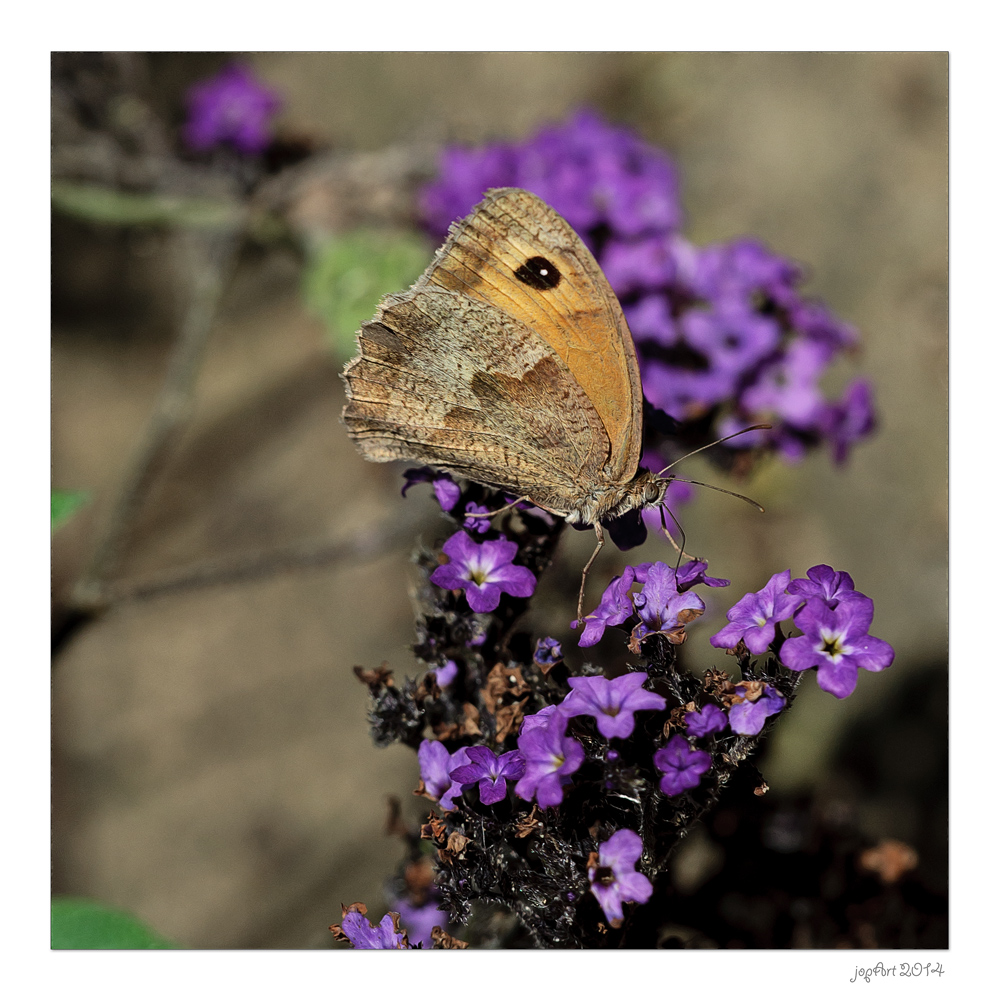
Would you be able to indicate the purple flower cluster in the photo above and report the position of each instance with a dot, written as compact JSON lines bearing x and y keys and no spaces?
{"x":445,"y":774}
{"x":720,"y":330}
{"x":834,"y":619}
{"x":593,"y":174}
{"x":664,"y":605}
{"x":232,"y":108}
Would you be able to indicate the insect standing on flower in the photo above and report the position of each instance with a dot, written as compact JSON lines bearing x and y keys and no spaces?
{"x":509,"y":363}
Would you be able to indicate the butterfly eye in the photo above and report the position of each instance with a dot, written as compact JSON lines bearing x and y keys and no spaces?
{"x":652,"y":493}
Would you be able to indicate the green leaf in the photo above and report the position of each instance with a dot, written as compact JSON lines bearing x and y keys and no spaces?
{"x":65,"y":503}
{"x":109,"y":206}
{"x":347,"y":276}
{"x":82,"y":923}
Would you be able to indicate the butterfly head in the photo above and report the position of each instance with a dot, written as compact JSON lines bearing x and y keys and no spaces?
{"x":645,"y":489}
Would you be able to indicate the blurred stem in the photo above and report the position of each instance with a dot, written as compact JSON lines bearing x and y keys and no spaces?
{"x":208,"y":259}
{"x":368,"y":543}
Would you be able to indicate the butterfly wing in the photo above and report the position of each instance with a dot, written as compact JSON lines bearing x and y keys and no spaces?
{"x":521,"y":256}
{"x":454,"y":382}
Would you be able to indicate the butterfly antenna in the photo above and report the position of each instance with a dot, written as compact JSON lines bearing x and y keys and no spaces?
{"x":712,"y":444}
{"x":718,"y":489}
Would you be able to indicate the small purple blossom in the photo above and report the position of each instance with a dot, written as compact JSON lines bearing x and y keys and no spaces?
{"x":754,"y":616}
{"x":747,"y":717}
{"x":446,"y":490}
{"x":693,"y":572}
{"x":548,"y":652}
{"x":611,"y":703}
{"x":614,"y":879}
{"x":232,"y":107}
{"x":825,"y":584}
{"x":837,"y":643}
{"x":706,"y":720}
{"x":550,"y":757}
{"x":492,"y":772}
{"x":445,"y":674}
{"x":436,"y":765}
{"x":789,"y":388}
{"x":615,"y":608}
{"x":484,"y":571}
{"x":682,"y":767}
{"x":365,"y":935}
{"x":851,"y":419}
{"x":660,"y":606}
{"x":419,"y":921}
{"x":480,"y":525}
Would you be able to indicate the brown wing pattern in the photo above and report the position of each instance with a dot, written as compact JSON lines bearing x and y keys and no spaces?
{"x":451,"y":381}
{"x":496,"y":256}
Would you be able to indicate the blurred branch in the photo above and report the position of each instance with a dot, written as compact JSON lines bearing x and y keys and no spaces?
{"x":210,"y":257}
{"x":368,"y":543}
{"x":102,"y":204}
{"x":113,"y":163}
{"x":333,"y":193}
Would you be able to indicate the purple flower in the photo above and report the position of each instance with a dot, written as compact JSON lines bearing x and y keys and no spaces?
{"x":446,"y":490}
{"x":732,"y":336}
{"x":548,"y":652}
{"x":478,"y":524}
{"x":539,"y":719}
{"x":660,"y":606}
{"x":634,"y":265}
{"x":613,"y":876}
{"x":231,"y":107}
{"x":419,"y":921}
{"x":754,"y":616}
{"x":826,"y":584}
{"x":707,"y":720}
{"x":436,"y":765}
{"x":363,"y":934}
{"x":682,"y":767}
{"x":836,"y":641}
{"x":850,"y":420}
{"x":789,"y":387}
{"x":611,"y":703}
{"x":615,"y":607}
{"x":445,"y":674}
{"x":747,"y":717}
{"x":550,"y":757}
{"x":739,"y":271}
{"x":483,"y":571}
{"x":693,"y":572}
{"x":650,"y":319}
{"x":815,"y":321}
{"x":492,"y":772}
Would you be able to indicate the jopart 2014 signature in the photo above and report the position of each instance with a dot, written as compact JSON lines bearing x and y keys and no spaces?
{"x":904,"y":970}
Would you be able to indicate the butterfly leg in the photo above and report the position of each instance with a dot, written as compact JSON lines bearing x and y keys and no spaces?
{"x":493,"y":513}
{"x":599,"y":531}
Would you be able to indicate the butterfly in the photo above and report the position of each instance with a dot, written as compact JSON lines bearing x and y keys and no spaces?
{"x":509,"y":363}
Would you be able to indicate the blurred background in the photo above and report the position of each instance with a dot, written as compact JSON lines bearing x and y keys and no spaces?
{"x":212,"y":768}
